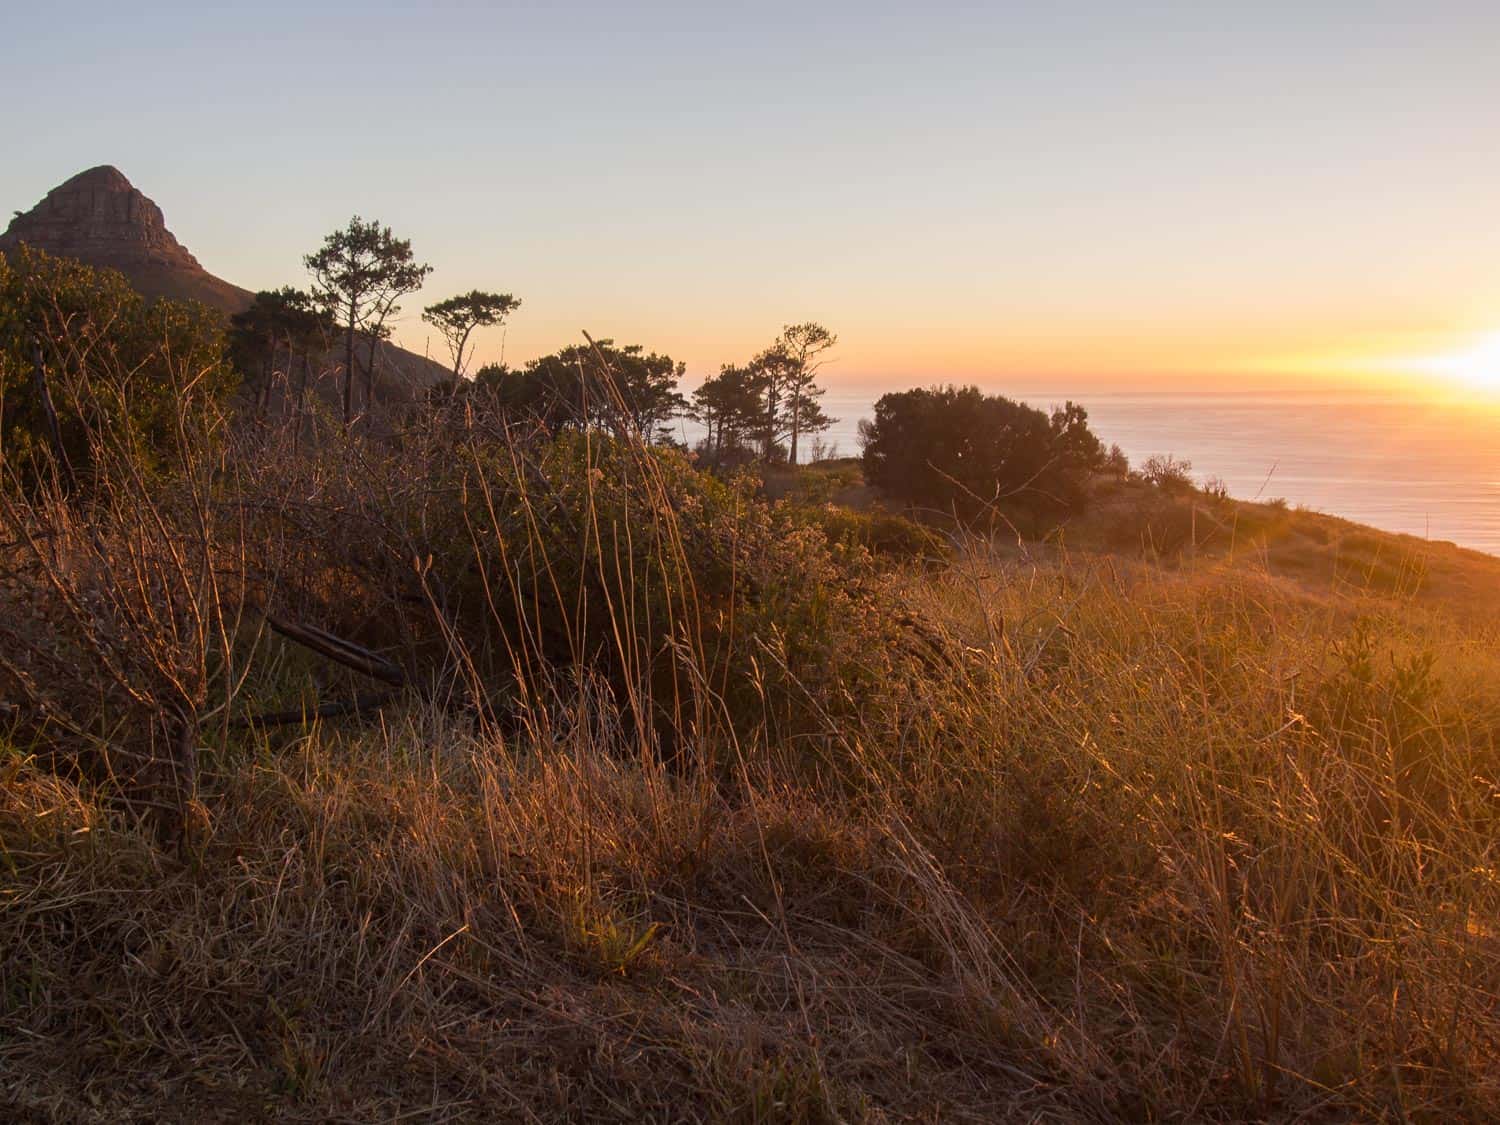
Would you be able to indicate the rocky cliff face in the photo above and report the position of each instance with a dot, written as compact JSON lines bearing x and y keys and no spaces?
{"x":100,"y":219}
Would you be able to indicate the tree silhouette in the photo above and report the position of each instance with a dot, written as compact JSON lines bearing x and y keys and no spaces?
{"x":359,"y":273}
{"x":960,"y":451}
{"x":768,"y":371}
{"x":785,"y":374}
{"x":729,"y":407}
{"x":457,"y":317}
{"x":804,"y":347}
{"x":286,"y":318}
{"x":624,"y":389}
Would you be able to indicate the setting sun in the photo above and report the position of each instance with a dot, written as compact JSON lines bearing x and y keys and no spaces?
{"x":1477,"y":365}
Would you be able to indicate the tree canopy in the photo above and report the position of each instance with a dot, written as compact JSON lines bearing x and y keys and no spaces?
{"x":285,"y":322}
{"x":620,"y":388}
{"x":798,"y":354}
{"x":728,"y":405}
{"x":458,"y":317}
{"x":960,"y":451}
{"x":359,"y":273}
{"x":770,"y":402}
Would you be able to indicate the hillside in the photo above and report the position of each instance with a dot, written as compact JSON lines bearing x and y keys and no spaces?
{"x":1012,"y":831}
{"x":1131,"y":519}
{"x":98,"y":217}
{"x":491,"y":763}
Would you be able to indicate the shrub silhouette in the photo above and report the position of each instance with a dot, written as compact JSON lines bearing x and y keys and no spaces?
{"x":960,"y":451}
{"x":1168,"y":473}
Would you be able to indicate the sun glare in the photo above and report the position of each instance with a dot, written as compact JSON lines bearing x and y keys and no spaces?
{"x":1477,"y":366}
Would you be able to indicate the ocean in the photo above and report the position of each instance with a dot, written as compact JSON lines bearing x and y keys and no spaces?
{"x":1427,"y":468}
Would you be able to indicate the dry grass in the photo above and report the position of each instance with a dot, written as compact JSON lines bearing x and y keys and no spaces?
{"x":1167,"y":852}
{"x":689,"y":814}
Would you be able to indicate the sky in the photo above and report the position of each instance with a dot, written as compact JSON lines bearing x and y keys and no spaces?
{"x":1105,"y":194}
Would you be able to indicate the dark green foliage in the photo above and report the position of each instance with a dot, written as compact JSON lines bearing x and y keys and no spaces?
{"x":786,"y":373}
{"x":458,"y":317}
{"x":764,"y":408}
{"x":1074,"y":442}
{"x":881,"y":533}
{"x":729,"y":407}
{"x":959,"y":451}
{"x":805,"y":346}
{"x":624,"y":390}
{"x":287,"y":324}
{"x":116,"y":367}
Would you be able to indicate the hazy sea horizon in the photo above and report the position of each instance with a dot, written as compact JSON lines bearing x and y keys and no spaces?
{"x":1429,"y":468}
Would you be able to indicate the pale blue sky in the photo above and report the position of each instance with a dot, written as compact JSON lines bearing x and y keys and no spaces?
{"x":1121,"y":190}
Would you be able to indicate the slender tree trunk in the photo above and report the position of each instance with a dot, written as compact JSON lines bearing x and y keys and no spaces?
{"x":458,"y":360}
{"x":370,"y":371}
{"x":770,"y":442}
{"x":349,"y":366}
{"x":796,"y":418}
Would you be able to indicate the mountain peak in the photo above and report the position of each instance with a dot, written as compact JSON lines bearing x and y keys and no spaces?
{"x":104,"y":177}
{"x":99,"y":218}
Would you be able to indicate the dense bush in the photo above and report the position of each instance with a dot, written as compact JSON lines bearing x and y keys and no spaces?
{"x":880,"y":533}
{"x":115,"y":366}
{"x":626,"y":389}
{"x":959,"y":451}
{"x":1168,"y":473}
{"x":516,"y":565}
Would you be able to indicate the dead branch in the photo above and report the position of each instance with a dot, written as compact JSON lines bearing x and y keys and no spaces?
{"x":368,"y":701}
{"x":340,"y":651}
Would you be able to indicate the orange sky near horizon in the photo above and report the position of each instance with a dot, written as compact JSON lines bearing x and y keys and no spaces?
{"x":1082,"y":194}
{"x":1437,"y":351}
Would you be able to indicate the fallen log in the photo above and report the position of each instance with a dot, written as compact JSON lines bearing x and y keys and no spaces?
{"x":340,"y":651}
{"x":369,"y":701}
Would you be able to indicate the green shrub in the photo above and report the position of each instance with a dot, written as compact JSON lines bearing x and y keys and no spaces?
{"x":117,"y":368}
{"x":879,"y":532}
{"x":525,"y":566}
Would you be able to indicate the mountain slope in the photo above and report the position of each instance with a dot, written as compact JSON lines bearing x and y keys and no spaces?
{"x":100,"y":218}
